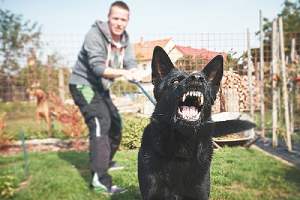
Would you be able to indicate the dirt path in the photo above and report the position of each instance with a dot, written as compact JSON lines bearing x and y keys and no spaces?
{"x":280,"y":153}
{"x":44,"y":145}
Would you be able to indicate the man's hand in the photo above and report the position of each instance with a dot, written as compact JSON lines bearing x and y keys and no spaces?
{"x":133,"y":74}
{"x":128,"y":75}
{"x":138,"y":74}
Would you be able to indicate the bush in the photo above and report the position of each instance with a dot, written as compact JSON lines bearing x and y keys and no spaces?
{"x":7,"y":186}
{"x":133,"y":128}
{"x":121,"y":87}
{"x":16,"y":110}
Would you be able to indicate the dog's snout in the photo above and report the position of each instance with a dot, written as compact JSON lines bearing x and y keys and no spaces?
{"x":195,"y":76}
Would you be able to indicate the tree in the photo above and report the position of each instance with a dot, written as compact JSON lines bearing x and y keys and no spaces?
{"x":17,"y":36}
{"x":290,"y":14}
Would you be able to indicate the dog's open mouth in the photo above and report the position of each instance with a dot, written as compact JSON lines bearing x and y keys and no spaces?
{"x":190,"y":105}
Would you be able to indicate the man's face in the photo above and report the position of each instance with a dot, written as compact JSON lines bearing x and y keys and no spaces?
{"x":118,"y":20}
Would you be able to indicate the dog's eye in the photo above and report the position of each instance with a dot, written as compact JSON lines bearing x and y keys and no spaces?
{"x":175,"y":82}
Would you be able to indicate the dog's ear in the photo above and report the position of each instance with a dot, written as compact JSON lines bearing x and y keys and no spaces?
{"x":229,"y":122}
{"x":161,"y":64}
{"x":223,"y":128}
{"x":214,"y":73}
{"x":214,"y":70}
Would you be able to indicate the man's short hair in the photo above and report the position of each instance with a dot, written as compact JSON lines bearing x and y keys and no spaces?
{"x":119,"y":4}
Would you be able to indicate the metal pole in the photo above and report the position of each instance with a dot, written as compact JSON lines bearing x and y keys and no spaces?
{"x":25,"y":154}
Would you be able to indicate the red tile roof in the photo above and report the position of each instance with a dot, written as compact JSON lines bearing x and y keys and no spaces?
{"x":144,"y":49}
{"x":202,"y":53}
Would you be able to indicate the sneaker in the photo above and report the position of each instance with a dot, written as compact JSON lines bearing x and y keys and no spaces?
{"x":97,"y":186}
{"x":116,"y":190}
{"x":113,"y":166}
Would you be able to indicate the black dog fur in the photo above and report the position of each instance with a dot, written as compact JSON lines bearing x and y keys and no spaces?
{"x":176,"y":151}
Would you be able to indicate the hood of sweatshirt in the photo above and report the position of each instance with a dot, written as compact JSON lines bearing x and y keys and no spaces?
{"x":104,"y":29}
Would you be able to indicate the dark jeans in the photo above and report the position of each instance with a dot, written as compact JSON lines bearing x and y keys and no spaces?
{"x":105,"y":126}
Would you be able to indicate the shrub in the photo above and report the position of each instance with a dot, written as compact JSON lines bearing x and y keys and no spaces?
{"x":133,"y":128}
{"x":7,"y":186}
{"x":121,"y":87}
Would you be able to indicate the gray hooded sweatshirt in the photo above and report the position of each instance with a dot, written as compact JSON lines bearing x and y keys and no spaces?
{"x":95,"y":56}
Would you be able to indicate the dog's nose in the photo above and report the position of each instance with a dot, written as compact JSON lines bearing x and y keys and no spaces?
{"x":195,"y":76}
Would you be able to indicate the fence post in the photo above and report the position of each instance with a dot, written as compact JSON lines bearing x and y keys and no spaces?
{"x":291,"y":85}
{"x":61,"y":84}
{"x":262,"y":98}
{"x":275,"y":91}
{"x":25,"y":154}
{"x":284,"y":87}
{"x":249,"y":63}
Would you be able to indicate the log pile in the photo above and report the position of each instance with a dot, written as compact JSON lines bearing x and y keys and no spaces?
{"x":234,"y":89}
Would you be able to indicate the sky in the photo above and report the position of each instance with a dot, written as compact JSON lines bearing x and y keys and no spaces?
{"x":63,"y":19}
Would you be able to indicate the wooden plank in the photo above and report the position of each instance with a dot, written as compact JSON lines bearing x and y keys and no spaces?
{"x":249,"y":63}
{"x":261,"y":69}
{"x":284,"y":87}
{"x":275,"y":91}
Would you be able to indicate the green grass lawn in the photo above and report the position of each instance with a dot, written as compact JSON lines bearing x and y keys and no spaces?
{"x":237,"y":174}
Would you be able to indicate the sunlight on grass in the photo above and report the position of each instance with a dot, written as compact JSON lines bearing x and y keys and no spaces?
{"x":237,"y":174}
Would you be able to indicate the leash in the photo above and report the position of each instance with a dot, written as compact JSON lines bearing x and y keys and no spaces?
{"x":138,"y":84}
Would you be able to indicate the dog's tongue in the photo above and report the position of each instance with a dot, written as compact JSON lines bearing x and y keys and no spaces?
{"x":189,"y":112}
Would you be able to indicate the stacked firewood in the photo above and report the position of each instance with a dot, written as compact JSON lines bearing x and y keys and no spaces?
{"x":235,"y":87}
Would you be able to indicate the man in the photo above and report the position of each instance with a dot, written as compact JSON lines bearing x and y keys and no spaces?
{"x":106,"y":54}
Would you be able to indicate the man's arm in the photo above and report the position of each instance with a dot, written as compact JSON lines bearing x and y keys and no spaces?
{"x":115,"y":73}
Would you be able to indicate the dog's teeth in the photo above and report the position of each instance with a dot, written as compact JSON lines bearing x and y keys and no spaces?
{"x":198,"y":115}
{"x":179,"y":111}
{"x":184,"y":97}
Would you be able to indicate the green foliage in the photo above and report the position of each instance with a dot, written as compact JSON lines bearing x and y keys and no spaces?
{"x":291,"y":16}
{"x":45,"y":74}
{"x":133,"y":128}
{"x":7,"y":186}
{"x":17,"y":37}
{"x":18,"y":109}
{"x":121,"y":87}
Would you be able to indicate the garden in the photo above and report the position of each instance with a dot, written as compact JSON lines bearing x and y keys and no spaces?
{"x":44,"y":147}
{"x":237,"y":172}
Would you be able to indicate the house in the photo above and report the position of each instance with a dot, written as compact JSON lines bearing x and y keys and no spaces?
{"x":144,"y":50}
{"x":190,"y":59}
{"x":186,"y":58}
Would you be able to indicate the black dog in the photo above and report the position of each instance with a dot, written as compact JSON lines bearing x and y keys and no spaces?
{"x":176,"y":150}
